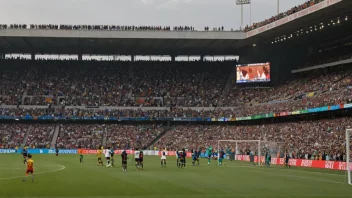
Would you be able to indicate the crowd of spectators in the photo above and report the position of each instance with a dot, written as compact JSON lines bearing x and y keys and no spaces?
{"x":72,"y":83}
{"x":127,"y":136}
{"x":158,"y":84}
{"x":12,"y":135}
{"x":330,"y":54}
{"x":108,"y":27}
{"x":97,"y":27}
{"x":314,"y":139}
{"x":282,"y":15}
{"x":80,"y":135}
{"x":304,"y":139}
{"x":40,"y":136}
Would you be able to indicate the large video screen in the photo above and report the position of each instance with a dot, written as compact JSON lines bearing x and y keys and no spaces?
{"x":256,"y":72}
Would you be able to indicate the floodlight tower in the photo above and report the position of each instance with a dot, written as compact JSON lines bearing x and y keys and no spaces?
{"x":244,"y":2}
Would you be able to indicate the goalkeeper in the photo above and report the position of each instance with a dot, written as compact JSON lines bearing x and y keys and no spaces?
{"x":210,"y":151}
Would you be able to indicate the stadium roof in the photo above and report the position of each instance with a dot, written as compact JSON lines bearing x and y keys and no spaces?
{"x":155,"y":42}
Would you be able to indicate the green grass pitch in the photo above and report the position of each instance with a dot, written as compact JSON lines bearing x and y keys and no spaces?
{"x":65,"y":177}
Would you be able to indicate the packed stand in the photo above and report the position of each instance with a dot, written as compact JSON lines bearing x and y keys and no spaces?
{"x":330,"y":55}
{"x":12,"y":135}
{"x":127,"y":136}
{"x":34,"y":112}
{"x":97,"y":27}
{"x":282,"y":15}
{"x":40,"y":136}
{"x":305,"y":139}
{"x":80,"y":136}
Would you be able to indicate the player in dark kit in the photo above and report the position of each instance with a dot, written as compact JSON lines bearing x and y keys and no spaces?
{"x":57,"y":151}
{"x":141,"y":159}
{"x":287,"y":160}
{"x":25,"y":154}
{"x":184,"y":154}
{"x":112,"y":153}
{"x":178,"y":157}
{"x":182,"y":160}
{"x":194,"y":156}
{"x":124,"y":160}
{"x":198,"y":155}
{"x":221,"y":157}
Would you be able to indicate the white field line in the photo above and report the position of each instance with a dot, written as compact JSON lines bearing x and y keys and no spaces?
{"x":59,"y":169}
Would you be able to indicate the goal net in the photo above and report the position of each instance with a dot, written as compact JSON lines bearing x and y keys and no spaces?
{"x":253,"y":151}
{"x":250,"y":149}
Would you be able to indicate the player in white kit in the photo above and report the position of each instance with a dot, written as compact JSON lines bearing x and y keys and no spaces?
{"x":108,"y":156}
{"x":163,"y":159}
{"x":136,"y":157}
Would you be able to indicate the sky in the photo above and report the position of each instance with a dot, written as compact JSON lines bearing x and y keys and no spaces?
{"x":196,"y":13}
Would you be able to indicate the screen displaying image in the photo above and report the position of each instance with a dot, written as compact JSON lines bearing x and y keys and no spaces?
{"x":256,"y":72}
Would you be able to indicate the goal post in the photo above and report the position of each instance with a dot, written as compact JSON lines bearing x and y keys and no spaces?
{"x":348,"y":153}
{"x":237,"y":142}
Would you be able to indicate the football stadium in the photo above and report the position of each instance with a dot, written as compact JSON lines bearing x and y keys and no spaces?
{"x":128,"y":111}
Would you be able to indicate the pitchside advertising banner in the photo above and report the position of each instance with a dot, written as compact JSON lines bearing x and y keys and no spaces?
{"x":40,"y":151}
{"x":333,"y":165}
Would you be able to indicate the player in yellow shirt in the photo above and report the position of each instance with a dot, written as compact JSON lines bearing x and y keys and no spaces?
{"x":99,"y":152}
{"x":30,"y":169}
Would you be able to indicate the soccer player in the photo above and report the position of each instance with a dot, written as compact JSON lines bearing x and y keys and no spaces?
{"x":57,"y":151}
{"x":25,"y":154}
{"x":136,"y":157}
{"x":184,"y":157}
{"x":124,"y":160}
{"x":100,"y":162}
{"x":107,"y":157}
{"x":198,"y":155}
{"x":80,"y":152}
{"x":163,"y":159}
{"x":177,"y":159}
{"x":287,"y":160}
{"x":30,"y":169}
{"x":221,"y":156}
{"x":194,"y":156}
{"x":141,"y":156}
{"x":112,"y":153}
{"x":210,"y":151}
{"x":267,"y":159}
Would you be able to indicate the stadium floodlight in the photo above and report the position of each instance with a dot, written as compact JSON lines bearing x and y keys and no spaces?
{"x":348,"y":153}
{"x":224,"y":144}
{"x":241,"y":3}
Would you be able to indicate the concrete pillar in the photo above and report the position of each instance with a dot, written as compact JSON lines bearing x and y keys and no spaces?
{"x":32,"y":56}
{"x":80,"y":57}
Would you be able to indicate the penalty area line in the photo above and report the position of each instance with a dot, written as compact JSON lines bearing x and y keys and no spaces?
{"x":16,"y":177}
